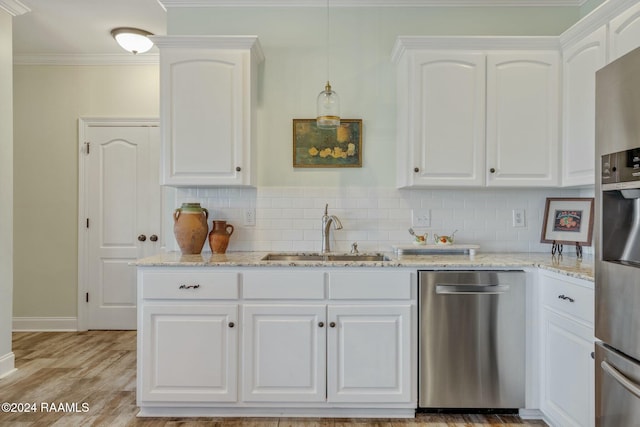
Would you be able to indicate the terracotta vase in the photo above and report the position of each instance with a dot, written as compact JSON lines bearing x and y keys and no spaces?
{"x":190,"y":227}
{"x":219,"y":236}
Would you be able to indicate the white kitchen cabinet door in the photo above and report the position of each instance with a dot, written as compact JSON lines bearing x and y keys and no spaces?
{"x":624,"y":32}
{"x":208,"y":95}
{"x":580,"y":63}
{"x":568,"y":396}
{"x":188,"y":353}
{"x":369,"y":353}
{"x":522,"y":118}
{"x":442,"y":119}
{"x":284,"y":353}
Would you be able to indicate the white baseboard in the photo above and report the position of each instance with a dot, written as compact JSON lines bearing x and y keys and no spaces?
{"x":49,"y":324}
{"x":531,"y":414}
{"x":7,"y":364}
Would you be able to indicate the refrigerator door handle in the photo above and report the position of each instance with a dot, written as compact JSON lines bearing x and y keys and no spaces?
{"x":619,"y":377}
{"x":458,"y":289}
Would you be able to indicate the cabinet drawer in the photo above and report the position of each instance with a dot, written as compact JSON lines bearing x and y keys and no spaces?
{"x":569,"y":298}
{"x":189,"y":284}
{"x":287,"y":284}
{"x":370,"y":285}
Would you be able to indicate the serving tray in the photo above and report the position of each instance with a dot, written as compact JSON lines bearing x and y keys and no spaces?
{"x":404,"y":249}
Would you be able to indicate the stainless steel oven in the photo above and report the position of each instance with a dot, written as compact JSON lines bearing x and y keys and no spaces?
{"x":617,"y":243}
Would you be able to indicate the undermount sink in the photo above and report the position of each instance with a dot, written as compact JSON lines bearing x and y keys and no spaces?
{"x":324,"y":257}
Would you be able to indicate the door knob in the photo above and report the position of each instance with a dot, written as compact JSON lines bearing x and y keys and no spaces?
{"x":153,"y":238}
{"x":142,"y":237}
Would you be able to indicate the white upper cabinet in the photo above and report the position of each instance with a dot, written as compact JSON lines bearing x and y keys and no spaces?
{"x":208,"y":97}
{"x":581,"y":59}
{"x":522,"y":118}
{"x":477,"y":111}
{"x":624,"y":32}
{"x":442,"y":121}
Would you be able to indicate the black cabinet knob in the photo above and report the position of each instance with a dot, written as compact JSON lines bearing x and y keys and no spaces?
{"x":416,"y":170}
{"x":231,"y":324}
{"x":321,"y":324}
{"x":238,"y":168}
{"x":153,"y":238}
{"x":142,"y":237}
{"x":492,"y":170}
{"x":332,"y":324}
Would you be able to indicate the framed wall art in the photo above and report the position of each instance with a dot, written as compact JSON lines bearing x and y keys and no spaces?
{"x":327,"y":148}
{"x":568,"y":220}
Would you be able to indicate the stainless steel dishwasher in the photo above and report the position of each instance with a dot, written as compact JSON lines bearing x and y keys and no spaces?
{"x":472,"y":339}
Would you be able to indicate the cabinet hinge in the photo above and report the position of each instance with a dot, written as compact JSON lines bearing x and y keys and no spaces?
{"x":87,"y":145}
{"x":86,"y":297}
{"x":87,"y":222}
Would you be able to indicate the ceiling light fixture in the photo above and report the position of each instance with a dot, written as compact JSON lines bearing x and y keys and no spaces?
{"x":133,"y":40}
{"x":328,"y":102}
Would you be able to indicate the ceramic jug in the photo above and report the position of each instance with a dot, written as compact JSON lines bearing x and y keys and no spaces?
{"x":219,"y":236}
{"x":190,"y":227}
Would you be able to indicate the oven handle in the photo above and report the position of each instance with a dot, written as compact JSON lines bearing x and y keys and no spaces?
{"x":618,"y":376}
{"x":464,"y":289}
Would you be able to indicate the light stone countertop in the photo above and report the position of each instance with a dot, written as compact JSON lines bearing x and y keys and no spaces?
{"x":568,"y":265}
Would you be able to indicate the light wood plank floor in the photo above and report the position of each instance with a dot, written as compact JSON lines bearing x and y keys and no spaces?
{"x":99,"y":368}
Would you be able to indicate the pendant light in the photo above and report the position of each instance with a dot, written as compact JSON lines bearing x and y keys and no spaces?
{"x":328,"y":102}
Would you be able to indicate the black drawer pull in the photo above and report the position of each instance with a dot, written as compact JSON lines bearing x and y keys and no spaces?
{"x":566,"y":298}
{"x":189,"y":286}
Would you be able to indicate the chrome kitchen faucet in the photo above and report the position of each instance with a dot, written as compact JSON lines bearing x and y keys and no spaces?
{"x":326,"y":223}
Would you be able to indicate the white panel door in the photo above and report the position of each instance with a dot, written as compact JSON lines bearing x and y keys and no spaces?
{"x":191,"y":353}
{"x":522,"y":119}
{"x":122,"y":195}
{"x":624,"y":32}
{"x":580,"y":63}
{"x":369,"y":354}
{"x":284,"y":353}
{"x":448,"y":109}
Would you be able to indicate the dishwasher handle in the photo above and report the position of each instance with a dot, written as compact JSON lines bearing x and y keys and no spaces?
{"x":469,"y":289}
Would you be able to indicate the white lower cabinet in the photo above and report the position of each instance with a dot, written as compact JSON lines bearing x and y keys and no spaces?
{"x":567,"y":344}
{"x":190,"y":353}
{"x":368,"y":357}
{"x":284,"y":353}
{"x":316,"y":341}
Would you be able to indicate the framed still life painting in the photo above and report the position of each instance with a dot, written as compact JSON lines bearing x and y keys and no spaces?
{"x":314,"y":147}
{"x":568,"y":220}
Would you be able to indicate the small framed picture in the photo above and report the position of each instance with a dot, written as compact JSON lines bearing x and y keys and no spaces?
{"x":327,"y":148}
{"x":568,"y":221}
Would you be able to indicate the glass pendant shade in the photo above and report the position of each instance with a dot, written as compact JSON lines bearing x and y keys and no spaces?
{"x":132,"y":40}
{"x":328,"y":107}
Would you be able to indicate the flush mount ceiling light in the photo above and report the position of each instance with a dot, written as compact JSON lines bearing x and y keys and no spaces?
{"x":328,"y":103}
{"x":133,"y":40}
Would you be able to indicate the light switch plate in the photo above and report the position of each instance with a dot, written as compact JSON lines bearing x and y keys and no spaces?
{"x":421,"y":217}
{"x":518,"y":218}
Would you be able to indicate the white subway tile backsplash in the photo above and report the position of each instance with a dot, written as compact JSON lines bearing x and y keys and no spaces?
{"x":288,"y":218}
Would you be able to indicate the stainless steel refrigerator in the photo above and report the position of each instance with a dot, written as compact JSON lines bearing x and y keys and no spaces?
{"x":617,"y":243}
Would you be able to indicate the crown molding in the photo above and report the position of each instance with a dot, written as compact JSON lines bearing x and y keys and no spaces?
{"x":14,"y":7}
{"x":218,"y":42}
{"x":368,"y":3}
{"x":598,"y":17}
{"x":82,"y":59}
{"x":406,"y":43}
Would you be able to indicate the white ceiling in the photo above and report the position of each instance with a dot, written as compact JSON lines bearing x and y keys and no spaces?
{"x":78,"y":31}
{"x":59,"y":28}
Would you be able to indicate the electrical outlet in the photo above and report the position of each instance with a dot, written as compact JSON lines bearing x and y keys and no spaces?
{"x":518,"y":218}
{"x":250,"y":216}
{"x":421,"y":218}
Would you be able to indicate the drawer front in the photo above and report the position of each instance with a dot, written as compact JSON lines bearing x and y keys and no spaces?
{"x":370,"y":285}
{"x":190,"y":284}
{"x":286,"y":284}
{"x":569,"y":298}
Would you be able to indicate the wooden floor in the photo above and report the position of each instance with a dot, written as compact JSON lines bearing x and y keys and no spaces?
{"x":97,"y":368}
